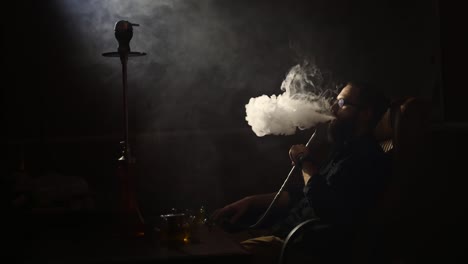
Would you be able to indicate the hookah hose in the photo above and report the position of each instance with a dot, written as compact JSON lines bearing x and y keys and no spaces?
{"x":275,"y":199}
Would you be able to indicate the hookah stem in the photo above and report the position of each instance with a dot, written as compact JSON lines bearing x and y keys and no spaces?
{"x":127,"y":157}
{"x":273,"y":202}
{"x":124,"y":60}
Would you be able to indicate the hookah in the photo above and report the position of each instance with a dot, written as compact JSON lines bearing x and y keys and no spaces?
{"x":130,"y":222}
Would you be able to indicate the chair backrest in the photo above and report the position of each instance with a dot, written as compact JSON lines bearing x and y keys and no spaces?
{"x":401,"y":133}
{"x":403,"y":129}
{"x":409,"y":112}
{"x":384,"y":130}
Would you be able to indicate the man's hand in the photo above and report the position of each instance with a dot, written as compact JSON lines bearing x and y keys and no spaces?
{"x":297,"y":152}
{"x":232,"y":212}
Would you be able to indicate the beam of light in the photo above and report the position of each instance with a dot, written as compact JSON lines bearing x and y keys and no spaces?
{"x":93,"y":20}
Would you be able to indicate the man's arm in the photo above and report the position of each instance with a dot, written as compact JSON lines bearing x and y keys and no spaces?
{"x":262,"y":201}
{"x":234,"y":211}
{"x":309,"y":169}
{"x":345,"y":195}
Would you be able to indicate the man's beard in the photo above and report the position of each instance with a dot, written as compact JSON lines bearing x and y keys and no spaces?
{"x":340,"y":131}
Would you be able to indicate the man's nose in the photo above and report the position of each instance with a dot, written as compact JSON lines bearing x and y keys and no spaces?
{"x":334,"y":108}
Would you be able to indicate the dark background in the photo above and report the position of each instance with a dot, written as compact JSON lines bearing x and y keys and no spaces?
{"x":61,"y":100}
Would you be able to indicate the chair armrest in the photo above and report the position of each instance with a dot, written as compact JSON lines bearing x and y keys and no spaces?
{"x":294,"y":234}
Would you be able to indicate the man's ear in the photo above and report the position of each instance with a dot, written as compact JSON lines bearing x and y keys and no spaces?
{"x":366,"y":114}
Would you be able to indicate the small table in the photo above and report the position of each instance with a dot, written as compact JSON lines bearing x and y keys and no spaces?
{"x":59,"y":244}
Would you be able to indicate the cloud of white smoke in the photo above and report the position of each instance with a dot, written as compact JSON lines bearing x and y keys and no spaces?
{"x":305,"y":102}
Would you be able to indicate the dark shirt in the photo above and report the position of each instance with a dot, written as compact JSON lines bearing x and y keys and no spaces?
{"x":344,"y":190}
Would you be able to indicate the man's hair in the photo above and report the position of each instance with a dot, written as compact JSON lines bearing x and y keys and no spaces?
{"x":371,"y":97}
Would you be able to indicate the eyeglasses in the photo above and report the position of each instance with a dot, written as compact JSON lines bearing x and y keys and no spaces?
{"x":341,"y":102}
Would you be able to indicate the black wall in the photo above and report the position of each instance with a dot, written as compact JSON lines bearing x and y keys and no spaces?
{"x":206,"y":59}
{"x":61,"y":100}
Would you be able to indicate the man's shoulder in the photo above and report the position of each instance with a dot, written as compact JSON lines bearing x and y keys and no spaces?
{"x":368,"y":148}
{"x":367,"y":154}
{"x":363,"y":155}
